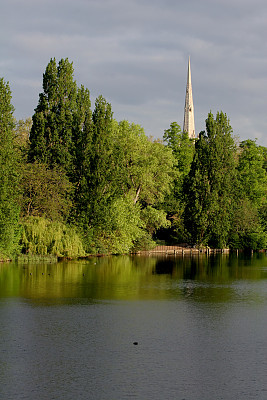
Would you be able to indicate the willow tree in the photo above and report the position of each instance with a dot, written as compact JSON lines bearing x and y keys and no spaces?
{"x":9,"y":211}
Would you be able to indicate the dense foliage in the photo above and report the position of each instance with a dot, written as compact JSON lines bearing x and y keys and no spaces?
{"x":74,"y":181}
{"x":9,"y":210}
{"x":42,"y":236}
{"x":210,"y":185}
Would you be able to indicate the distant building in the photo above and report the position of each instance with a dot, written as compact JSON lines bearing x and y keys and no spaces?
{"x":189,"y":119}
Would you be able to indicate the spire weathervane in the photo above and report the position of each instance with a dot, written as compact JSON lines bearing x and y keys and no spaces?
{"x":189,"y":120}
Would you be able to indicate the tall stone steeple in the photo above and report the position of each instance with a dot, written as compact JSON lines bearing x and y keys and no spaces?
{"x":189,"y":119}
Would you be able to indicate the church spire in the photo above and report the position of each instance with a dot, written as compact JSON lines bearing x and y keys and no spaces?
{"x":189,"y":120}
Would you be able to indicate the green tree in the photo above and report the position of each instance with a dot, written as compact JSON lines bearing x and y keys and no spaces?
{"x":97,"y":185}
{"x":247,"y":231}
{"x":249,"y":217}
{"x":81,"y":136}
{"x":183,"y":149}
{"x":9,"y":210}
{"x":45,"y":192}
{"x":154,"y":219}
{"x":182,"y":146}
{"x":102,"y":163}
{"x":61,"y":133}
{"x":125,"y":167}
{"x":210,"y":183}
{"x":52,"y":121}
{"x":252,"y":173}
{"x":145,"y":166}
{"x":58,"y":116}
{"x":121,"y":227}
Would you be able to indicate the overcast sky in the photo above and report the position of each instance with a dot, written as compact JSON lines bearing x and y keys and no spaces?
{"x":135,"y":53}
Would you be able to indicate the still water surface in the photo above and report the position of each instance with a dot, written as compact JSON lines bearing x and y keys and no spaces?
{"x":67,"y":330}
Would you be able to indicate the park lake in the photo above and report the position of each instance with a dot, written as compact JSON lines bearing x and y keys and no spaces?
{"x":135,"y":327}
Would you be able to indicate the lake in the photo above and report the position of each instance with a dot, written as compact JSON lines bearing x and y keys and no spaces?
{"x":199,"y":325}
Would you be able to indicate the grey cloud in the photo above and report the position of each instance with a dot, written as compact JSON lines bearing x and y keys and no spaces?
{"x":135,"y":53}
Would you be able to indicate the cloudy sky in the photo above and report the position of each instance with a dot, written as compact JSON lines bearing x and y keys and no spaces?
{"x":135,"y":53}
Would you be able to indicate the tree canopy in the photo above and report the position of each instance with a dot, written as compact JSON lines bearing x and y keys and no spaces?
{"x":73,"y":176}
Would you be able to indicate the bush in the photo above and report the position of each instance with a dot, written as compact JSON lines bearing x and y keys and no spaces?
{"x":256,"y":240}
{"x":144,"y":243}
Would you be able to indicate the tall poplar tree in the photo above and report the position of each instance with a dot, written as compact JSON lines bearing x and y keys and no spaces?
{"x":62,"y":128}
{"x":9,"y":211}
{"x":52,"y":129}
{"x":210,"y":187}
{"x":82,"y":129}
{"x":100,"y":176}
{"x":82,"y":153}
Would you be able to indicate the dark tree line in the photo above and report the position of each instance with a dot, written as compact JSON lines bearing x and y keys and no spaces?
{"x":74,"y":180}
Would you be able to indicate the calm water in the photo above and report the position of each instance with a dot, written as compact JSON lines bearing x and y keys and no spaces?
{"x":67,"y":330}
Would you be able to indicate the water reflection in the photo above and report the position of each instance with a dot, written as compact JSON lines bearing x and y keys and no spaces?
{"x":67,"y":330}
{"x":208,"y":268}
{"x":216,"y":277}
